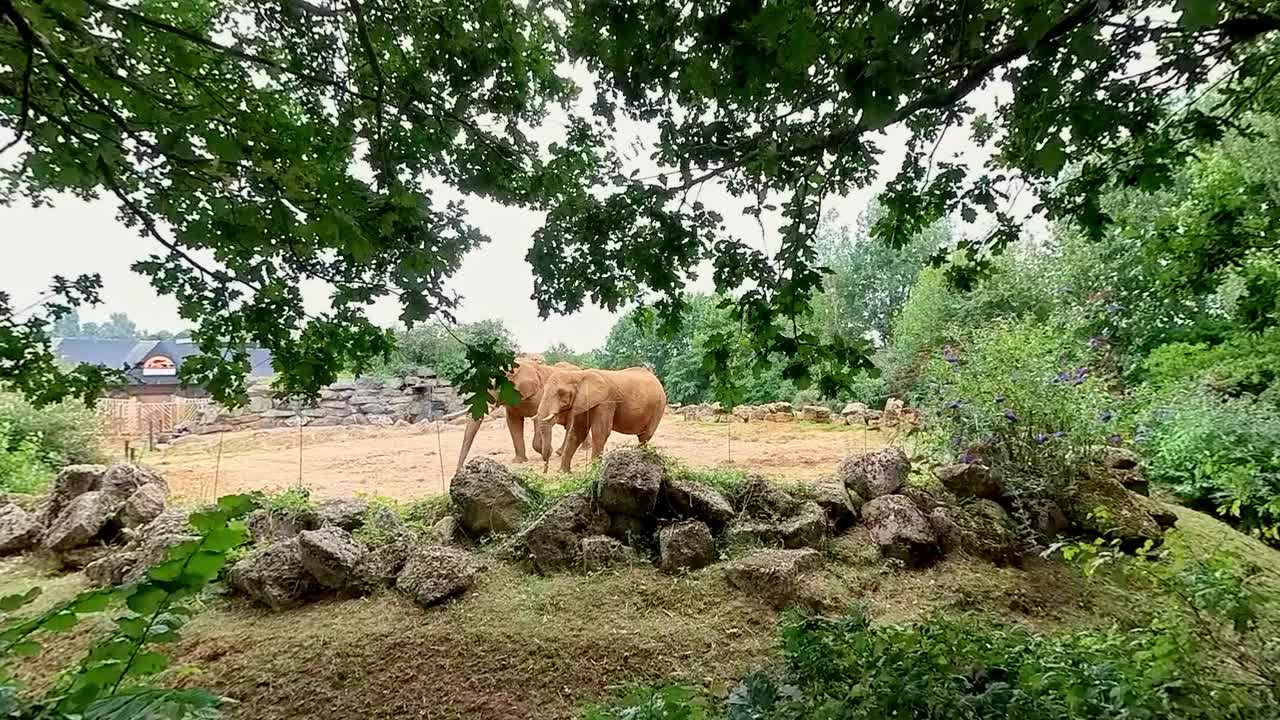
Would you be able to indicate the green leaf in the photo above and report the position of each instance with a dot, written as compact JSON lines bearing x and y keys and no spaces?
{"x":208,"y":521}
{"x":62,"y":621}
{"x":27,"y":648}
{"x":9,"y":603}
{"x":93,"y":602}
{"x":152,"y":704}
{"x":1052,"y":155}
{"x":206,"y":565}
{"x":225,"y":538}
{"x":146,"y":599}
{"x":147,"y":663}
{"x":1198,"y":14}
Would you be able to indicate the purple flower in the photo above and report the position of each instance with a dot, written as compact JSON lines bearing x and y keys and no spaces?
{"x":1063,"y":376}
{"x":1105,"y":416}
{"x":953,"y":405}
{"x":968,"y":457}
{"x":1000,"y":399}
{"x":1114,"y":439}
{"x":1010,"y":415}
{"x":949,"y":355}
{"x":1080,"y":376}
{"x":1097,"y":342}
{"x":1041,"y":438}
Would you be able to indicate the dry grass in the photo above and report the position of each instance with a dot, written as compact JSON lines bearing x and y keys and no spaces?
{"x":521,"y":645}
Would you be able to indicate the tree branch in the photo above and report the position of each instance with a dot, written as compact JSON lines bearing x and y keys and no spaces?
{"x":25,"y":101}
{"x":362,"y":30}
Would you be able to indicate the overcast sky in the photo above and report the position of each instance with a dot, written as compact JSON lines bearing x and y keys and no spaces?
{"x":74,"y":237}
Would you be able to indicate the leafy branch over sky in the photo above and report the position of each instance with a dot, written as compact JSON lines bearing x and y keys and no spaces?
{"x":261,"y":143}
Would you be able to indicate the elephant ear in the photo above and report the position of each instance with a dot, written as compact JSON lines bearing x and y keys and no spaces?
{"x":593,"y":390}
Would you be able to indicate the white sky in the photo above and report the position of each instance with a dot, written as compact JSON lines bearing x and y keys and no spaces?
{"x":73,"y":237}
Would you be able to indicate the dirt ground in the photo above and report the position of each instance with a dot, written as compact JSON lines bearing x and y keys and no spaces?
{"x":405,"y":462}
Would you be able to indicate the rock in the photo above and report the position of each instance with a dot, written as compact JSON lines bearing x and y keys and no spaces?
{"x":759,"y":498}
{"x":782,"y":417}
{"x":331,"y":555}
{"x":554,"y":541}
{"x":600,"y":552}
{"x":815,"y":413}
{"x":1133,"y":481}
{"x":807,"y":528}
{"x":153,"y":549}
{"x":772,"y":575}
{"x":72,"y":482}
{"x":268,"y":526}
{"x":689,"y":499}
{"x":434,"y":574}
{"x":892,"y":412}
{"x":82,"y":557}
{"x":1163,"y":516}
{"x":923,"y":498}
{"x":900,"y":529}
{"x":274,"y":575}
{"x":144,"y":505}
{"x":979,"y":531}
{"x":685,"y":545}
{"x":634,"y":531}
{"x":81,"y":521}
{"x":756,"y":532}
{"x":380,"y":420}
{"x":447,"y":531}
{"x":630,"y":480}
{"x":1117,"y":458}
{"x":383,"y":525}
{"x":121,"y":481}
{"x":835,"y":503}
{"x":488,"y":499}
{"x":1102,"y":506}
{"x":111,"y":570}
{"x":970,"y":480}
{"x":19,"y":529}
{"x":381,"y":565}
{"x":346,"y":513}
{"x":374,"y":409}
{"x":855,"y":408}
{"x":874,"y":474}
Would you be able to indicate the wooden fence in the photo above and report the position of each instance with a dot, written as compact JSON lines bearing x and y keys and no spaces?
{"x":131,"y":418}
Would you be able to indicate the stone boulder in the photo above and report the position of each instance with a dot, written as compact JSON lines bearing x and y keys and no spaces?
{"x":759,"y":498}
{"x":970,"y":480}
{"x":636,"y":532}
{"x":685,"y":545}
{"x":807,"y":528}
{"x":978,"y":530}
{"x":1102,"y":506}
{"x":901,"y":530}
{"x":630,"y":482}
{"x":772,"y":575}
{"x":447,"y":531}
{"x":434,"y":574}
{"x":600,"y":552}
{"x":120,"y":482}
{"x":815,"y":413}
{"x":928,"y":498}
{"x":81,"y":521}
{"x":112,"y":569}
{"x":690,"y":499}
{"x":1117,"y":458}
{"x":274,"y":575}
{"x":754,"y":532}
{"x":381,"y":565}
{"x":892,"y":412}
{"x":331,"y":555}
{"x":488,"y":499}
{"x":554,"y":541}
{"x":835,"y":502}
{"x":268,"y":526}
{"x":346,"y":513}
{"x":874,"y":474}
{"x":144,"y":505}
{"x":19,"y":529}
{"x":72,"y":482}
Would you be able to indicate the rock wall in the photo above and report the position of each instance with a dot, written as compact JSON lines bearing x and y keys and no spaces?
{"x":893,"y":415}
{"x":364,"y":401}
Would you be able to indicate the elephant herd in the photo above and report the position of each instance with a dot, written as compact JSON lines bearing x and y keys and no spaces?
{"x":591,"y":403}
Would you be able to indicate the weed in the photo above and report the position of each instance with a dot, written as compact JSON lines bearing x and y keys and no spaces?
{"x":289,"y":502}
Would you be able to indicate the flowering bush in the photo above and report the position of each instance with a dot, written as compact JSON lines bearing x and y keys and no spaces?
{"x":1014,"y":398}
{"x":1221,"y":455}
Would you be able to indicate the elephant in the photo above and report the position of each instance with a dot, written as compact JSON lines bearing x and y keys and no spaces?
{"x":529,"y":376}
{"x":599,"y":402}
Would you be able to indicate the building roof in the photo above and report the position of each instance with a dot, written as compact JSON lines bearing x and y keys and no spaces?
{"x":131,"y":355}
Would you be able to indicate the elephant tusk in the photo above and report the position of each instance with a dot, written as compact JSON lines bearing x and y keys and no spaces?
{"x":549,"y":417}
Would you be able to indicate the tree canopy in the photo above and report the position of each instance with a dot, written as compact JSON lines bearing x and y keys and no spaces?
{"x":260,"y":143}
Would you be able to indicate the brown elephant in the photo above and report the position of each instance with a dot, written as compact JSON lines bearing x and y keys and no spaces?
{"x":530,"y":376}
{"x":599,"y":402}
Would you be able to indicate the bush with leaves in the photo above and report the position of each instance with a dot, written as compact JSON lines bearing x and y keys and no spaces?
{"x":64,"y":433}
{"x":108,"y":680}
{"x":1220,"y":455}
{"x":1243,"y":364}
{"x":22,"y":468}
{"x":1013,"y":397}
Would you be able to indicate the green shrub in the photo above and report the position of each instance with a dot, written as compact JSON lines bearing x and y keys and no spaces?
{"x":1014,"y":398}
{"x":290,"y":501}
{"x":1222,"y":455}
{"x":62,"y":434}
{"x":22,"y":469}
{"x":673,"y":702}
{"x":1246,"y":364}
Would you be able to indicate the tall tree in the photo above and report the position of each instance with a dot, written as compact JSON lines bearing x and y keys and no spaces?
{"x":294,"y":139}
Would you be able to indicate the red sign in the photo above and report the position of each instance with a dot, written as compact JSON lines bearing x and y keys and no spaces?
{"x":159,"y":365}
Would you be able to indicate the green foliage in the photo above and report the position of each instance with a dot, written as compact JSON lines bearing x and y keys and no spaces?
{"x":1242,"y":364}
{"x":417,"y":517}
{"x":545,"y":491}
{"x":290,"y":501}
{"x":443,"y":349}
{"x":65,"y":433}
{"x":1218,"y":454}
{"x":106,"y":683}
{"x":1015,"y":398}
{"x":22,"y":468}
{"x":561,"y":352}
{"x":673,"y":702}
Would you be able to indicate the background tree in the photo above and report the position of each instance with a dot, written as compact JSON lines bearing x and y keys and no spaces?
{"x":294,"y":140}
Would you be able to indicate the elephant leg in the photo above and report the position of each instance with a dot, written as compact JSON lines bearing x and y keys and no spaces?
{"x":601,"y":427}
{"x":515,"y":424}
{"x":579,"y":428}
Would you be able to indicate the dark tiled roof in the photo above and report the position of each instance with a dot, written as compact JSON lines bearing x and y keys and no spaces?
{"x":128,"y":355}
